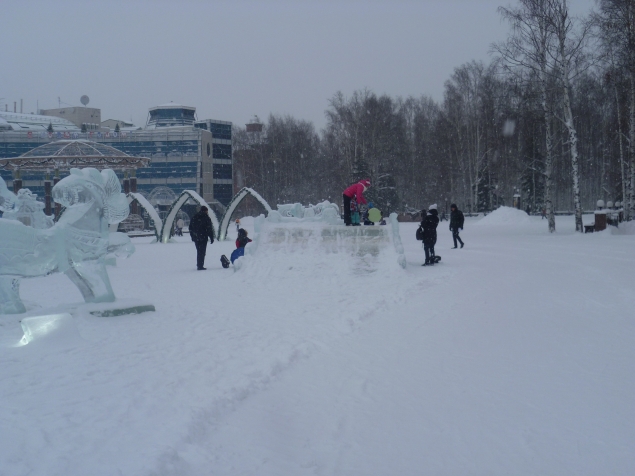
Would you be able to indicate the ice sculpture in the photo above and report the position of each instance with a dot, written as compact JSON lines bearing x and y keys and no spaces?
{"x":76,"y":245}
{"x":317,"y":212}
{"x":26,"y":209}
{"x":6,"y":198}
{"x":321,"y":232}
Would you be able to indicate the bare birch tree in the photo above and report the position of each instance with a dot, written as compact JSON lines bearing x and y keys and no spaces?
{"x":527,"y":48}
{"x":569,"y":48}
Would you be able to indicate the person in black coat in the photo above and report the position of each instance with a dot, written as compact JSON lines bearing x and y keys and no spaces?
{"x":456,"y":224}
{"x":429,"y":226}
{"x":200,"y":230}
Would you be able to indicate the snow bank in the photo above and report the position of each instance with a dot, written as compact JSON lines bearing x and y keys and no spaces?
{"x":625,"y":228}
{"x":505,"y":216}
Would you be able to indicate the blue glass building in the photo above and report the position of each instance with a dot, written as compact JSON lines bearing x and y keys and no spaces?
{"x":186,"y":154}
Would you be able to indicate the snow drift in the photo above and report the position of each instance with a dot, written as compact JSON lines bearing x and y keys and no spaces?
{"x":505,"y":216}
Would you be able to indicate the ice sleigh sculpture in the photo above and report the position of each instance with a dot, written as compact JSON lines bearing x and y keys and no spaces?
{"x":30,"y":245}
{"x":316,"y":234}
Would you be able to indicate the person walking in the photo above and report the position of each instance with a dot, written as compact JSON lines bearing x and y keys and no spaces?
{"x":429,"y":225}
{"x":200,"y":230}
{"x":356,"y":190}
{"x":456,"y":224}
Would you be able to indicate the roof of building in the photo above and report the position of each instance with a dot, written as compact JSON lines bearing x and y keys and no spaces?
{"x":172,"y":105}
{"x":65,"y":154}
{"x":36,"y":122}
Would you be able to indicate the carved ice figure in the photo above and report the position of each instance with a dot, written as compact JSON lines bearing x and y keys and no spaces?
{"x":76,"y":245}
{"x":6,"y":197}
{"x":27,"y":210}
{"x":323,"y":211}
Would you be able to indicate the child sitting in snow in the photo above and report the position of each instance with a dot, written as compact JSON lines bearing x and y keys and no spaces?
{"x":354,"y":212}
{"x":241,"y":242}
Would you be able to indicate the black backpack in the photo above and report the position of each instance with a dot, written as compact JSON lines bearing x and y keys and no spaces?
{"x":420,"y":233}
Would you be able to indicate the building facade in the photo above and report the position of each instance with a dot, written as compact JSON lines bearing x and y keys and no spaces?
{"x":83,"y":117}
{"x":189,"y":157}
{"x":222,"y":167}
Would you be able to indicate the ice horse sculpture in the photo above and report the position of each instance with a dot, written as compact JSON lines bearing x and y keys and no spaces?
{"x":76,"y":245}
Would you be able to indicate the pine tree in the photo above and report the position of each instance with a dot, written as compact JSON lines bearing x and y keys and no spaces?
{"x":50,"y":127}
{"x":117,"y":128}
{"x":84,"y":128}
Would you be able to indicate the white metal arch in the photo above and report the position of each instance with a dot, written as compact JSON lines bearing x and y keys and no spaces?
{"x":157,"y":223}
{"x":168,"y":223}
{"x":224,"y":225}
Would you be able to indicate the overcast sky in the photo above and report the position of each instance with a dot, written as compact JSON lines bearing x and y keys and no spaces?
{"x":236,"y":59}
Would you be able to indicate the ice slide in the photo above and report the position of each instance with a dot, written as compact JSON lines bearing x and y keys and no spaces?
{"x":322,"y":240}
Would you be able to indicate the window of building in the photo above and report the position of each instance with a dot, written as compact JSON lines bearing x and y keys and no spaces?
{"x":223,"y":193}
{"x":222,"y":151}
{"x":223,"y":171}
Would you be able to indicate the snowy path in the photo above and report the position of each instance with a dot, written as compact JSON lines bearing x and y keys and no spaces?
{"x":514,"y":356}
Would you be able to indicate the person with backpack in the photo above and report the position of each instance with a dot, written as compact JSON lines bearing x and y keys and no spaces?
{"x":200,"y":230}
{"x":429,"y":227}
{"x":456,"y":224}
{"x":356,"y":190}
{"x":241,"y":242}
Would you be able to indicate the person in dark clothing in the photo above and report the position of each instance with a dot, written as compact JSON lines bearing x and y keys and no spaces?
{"x":456,"y":224}
{"x":429,"y":226}
{"x":200,"y":230}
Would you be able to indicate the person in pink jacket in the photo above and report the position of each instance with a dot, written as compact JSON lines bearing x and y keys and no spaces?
{"x":356,"y":190}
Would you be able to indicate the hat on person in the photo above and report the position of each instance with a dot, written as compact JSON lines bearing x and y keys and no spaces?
{"x":453,"y":205}
{"x":365,"y":182}
{"x":432,"y":207}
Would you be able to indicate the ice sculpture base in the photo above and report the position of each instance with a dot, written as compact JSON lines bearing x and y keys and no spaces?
{"x":120,"y":307}
{"x":55,"y":329}
{"x":123,"y":310}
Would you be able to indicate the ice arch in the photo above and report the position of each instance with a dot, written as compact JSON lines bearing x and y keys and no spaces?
{"x":168,"y":223}
{"x":224,"y":225}
{"x":143,"y":202}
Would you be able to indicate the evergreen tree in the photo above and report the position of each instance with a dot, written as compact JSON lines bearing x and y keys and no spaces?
{"x":50,"y":127}
{"x":117,"y":128}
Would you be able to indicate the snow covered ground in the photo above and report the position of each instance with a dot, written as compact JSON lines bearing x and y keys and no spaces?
{"x":514,"y":356}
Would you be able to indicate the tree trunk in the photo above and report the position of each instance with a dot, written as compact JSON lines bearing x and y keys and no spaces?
{"x":619,"y":138}
{"x":631,"y":148}
{"x":573,"y":137}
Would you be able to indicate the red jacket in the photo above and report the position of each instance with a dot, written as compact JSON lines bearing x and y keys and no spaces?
{"x":357,"y":190}
{"x":242,"y":242}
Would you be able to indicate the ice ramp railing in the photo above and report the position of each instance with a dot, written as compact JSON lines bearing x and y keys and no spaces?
{"x":326,"y":235}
